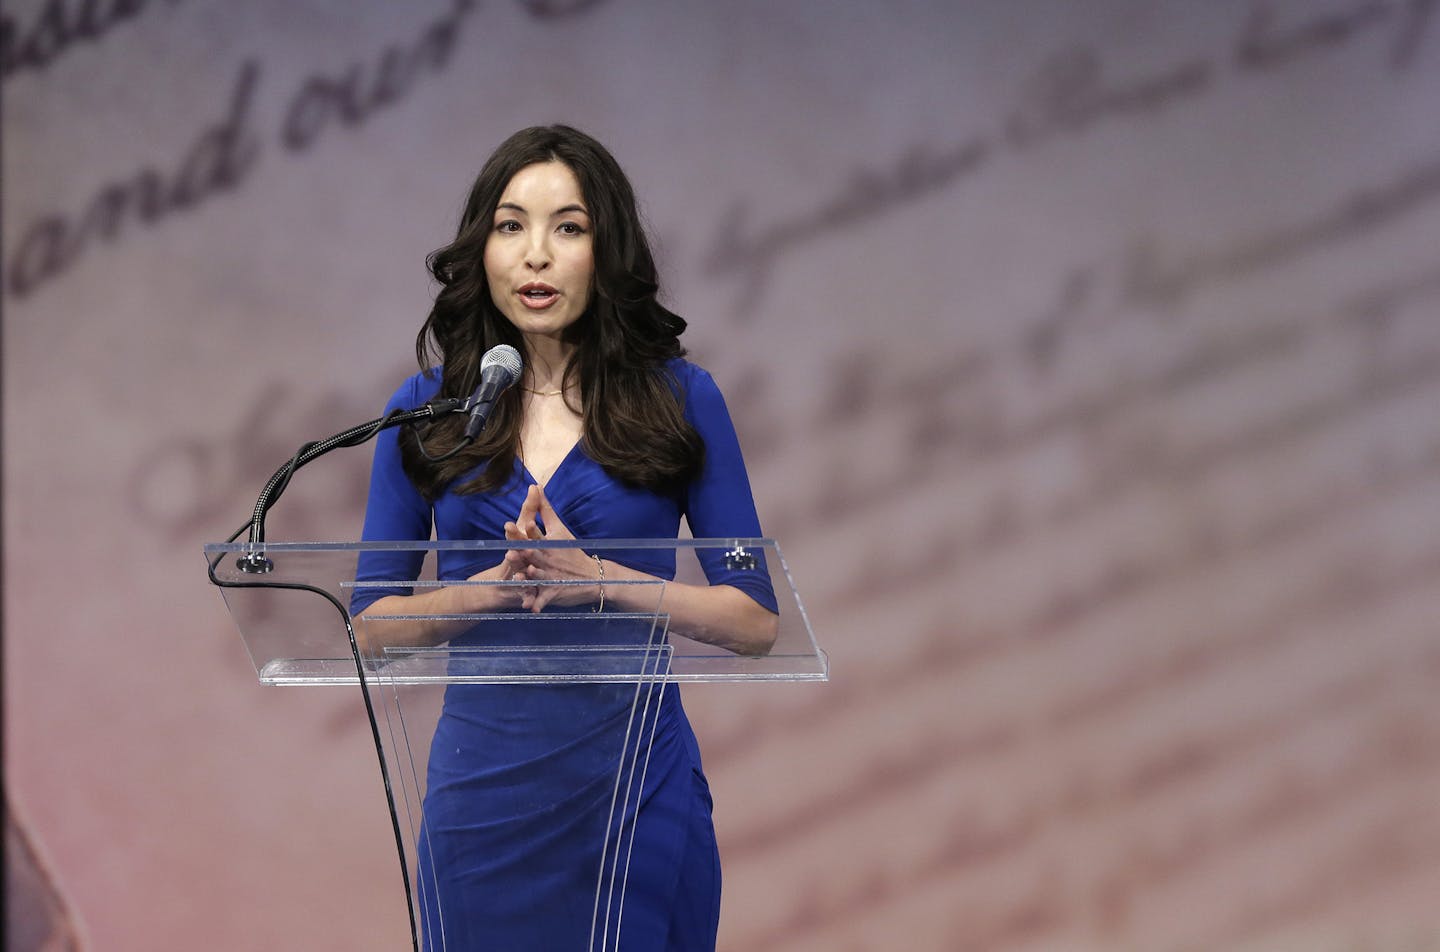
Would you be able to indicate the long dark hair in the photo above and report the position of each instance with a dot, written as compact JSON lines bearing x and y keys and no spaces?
{"x":633,"y":424}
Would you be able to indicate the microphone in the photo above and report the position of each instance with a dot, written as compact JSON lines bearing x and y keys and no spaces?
{"x":499,"y":368}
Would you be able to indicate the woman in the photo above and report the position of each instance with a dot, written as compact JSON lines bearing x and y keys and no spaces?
{"x":609,"y":434}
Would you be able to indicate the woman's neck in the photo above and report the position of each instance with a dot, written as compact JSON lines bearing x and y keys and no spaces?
{"x":546,"y":361}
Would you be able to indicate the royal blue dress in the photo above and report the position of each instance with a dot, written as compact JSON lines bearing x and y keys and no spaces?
{"x":520,"y":802}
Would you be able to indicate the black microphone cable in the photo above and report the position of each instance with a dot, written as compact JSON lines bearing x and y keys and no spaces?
{"x":374,"y":723}
{"x":256,"y":564}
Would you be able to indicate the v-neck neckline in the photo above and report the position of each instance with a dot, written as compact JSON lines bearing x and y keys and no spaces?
{"x":564,"y":461}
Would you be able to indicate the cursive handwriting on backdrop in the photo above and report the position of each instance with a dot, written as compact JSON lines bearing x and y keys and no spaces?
{"x":1070,"y":93}
{"x":223,"y":155}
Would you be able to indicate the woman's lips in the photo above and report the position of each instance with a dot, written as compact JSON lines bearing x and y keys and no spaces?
{"x":537,"y":297}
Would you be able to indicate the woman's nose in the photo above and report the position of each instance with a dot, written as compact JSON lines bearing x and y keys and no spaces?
{"x":537,"y":256}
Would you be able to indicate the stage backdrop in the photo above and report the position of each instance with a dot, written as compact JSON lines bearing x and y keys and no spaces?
{"x":1085,"y":355}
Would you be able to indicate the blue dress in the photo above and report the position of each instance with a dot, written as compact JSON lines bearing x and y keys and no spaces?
{"x":520,"y":802}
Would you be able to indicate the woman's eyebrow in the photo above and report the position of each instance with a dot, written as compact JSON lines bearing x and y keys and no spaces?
{"x":559,"y":211}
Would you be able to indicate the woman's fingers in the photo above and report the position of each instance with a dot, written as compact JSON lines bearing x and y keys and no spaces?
{"x":529,"y":511}
{"x":537,"y":507}
{"x":554,"y":527}
{"x":515,"y":563}
{"x":536,"y":596}
{"x":547,"y":512}
{"x":538,"y":520}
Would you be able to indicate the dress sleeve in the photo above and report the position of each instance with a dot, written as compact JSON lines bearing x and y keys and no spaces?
{"x":394,"y":512}
{"x":719,"y":503}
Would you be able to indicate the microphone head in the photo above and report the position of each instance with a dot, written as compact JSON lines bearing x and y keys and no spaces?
{"x":499,"y":368}
{"x":502,"y":358}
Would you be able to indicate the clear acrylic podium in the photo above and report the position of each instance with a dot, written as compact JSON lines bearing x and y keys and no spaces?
{"x":514,"y":751}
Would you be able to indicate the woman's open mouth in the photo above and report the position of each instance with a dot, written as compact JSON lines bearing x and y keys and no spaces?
{"x":538,"y":296}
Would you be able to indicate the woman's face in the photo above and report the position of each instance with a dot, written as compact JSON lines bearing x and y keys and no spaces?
{"x":539,"y":258}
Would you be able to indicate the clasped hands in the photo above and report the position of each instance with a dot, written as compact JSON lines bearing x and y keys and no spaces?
{"x":545,"y":565}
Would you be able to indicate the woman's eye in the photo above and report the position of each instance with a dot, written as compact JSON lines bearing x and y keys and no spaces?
{"x":508,"y":227}
{"x":571,"y":228}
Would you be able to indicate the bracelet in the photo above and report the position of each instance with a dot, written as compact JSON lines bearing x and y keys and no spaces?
{"x":601,"y":566}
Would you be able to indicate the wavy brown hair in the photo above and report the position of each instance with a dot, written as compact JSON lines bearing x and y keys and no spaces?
{"x":633,"y":423}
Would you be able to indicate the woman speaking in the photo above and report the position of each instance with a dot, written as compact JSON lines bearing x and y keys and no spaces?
{"x":609,"y":434}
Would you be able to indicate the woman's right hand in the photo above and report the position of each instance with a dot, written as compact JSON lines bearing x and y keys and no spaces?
{"x":483,"y":599}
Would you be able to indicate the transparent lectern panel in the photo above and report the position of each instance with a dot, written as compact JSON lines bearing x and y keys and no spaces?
{"x":561,"y":642}
{"x":298,"y":635}
{"x":293,"y":619}
{"x":520,"y":799}
{"x":755,"y":567}
{"x":515,"y":726}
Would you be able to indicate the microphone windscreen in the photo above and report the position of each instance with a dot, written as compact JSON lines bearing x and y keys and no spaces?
{"x":505,"y":357}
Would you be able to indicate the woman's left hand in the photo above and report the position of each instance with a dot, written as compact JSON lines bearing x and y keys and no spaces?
{"x":546,"y":565}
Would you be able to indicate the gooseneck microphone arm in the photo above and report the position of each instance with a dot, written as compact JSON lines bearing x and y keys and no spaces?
{"x":500,"y":367}
{"x":254,"y":560}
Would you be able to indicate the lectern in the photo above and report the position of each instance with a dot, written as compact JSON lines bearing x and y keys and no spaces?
{"x":551,"y":713}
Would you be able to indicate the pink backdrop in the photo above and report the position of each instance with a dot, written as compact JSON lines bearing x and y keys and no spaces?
{"x":1086,"y":359}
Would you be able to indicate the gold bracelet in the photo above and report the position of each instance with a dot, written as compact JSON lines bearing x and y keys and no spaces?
{"x":601,"y":566}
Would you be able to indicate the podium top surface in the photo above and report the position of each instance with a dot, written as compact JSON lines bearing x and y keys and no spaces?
{"x":299,"y":604}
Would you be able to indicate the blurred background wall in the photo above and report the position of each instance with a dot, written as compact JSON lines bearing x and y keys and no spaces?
{"x":1086,"y":357}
